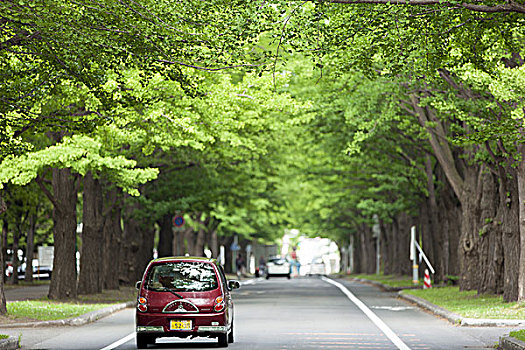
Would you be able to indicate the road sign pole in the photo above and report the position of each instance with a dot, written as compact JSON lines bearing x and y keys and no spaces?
{"x":413,"y":256}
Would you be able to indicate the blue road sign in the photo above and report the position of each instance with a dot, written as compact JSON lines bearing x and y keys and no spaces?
{"x":178,"y":221}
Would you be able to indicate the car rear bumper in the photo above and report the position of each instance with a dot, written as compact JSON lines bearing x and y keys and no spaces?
{"x":280,"y":270}
{"x":203,"y":325}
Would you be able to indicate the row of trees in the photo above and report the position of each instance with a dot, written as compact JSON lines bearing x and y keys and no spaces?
{"x":427,"y":103}
{"x":411,"y":113}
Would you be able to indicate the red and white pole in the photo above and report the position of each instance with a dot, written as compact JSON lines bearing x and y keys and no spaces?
{"x":426,"y":280}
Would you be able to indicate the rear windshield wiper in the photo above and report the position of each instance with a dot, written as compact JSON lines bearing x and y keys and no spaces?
{"x":164,"y":289}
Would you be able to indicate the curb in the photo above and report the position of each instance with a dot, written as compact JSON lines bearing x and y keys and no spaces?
{"x":510,"y":343}
{"x":75,"y":321}
{"x":437,"y":310}
{"x":10,"y":343}
{"x":457,"y":319}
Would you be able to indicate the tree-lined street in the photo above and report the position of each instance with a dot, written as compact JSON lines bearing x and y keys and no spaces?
{"x":302,"y":313}
{"x":132,"y":130}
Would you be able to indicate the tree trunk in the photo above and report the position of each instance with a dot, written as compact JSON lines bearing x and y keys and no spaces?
{"x":427,"y":239}
{"x":469,"y":243}
{"x":165,"y":247}
{"x":90,"y":281}
{"x":226,"y":241}
{"x":369,"y":250}
{"x":199,"y":243}
{"x":402,"y":264}
{"x":189,"y":241}
{"x":138,"y":247}
{"x":450,"y":219}
{"x":5,"y":232}
{"x":435,"y":234}
{"x":490,"y":247}
{"x":178,"y":241}
{"x":509,"y":205}
{"x":16,"y":262}
{"x":131,"y":238}
{"x":112,"y":234}
{"x":214,"y":244}
{"x":64,"y":277}
{"x":388,"y":246}
{"x":30,"y":247}
{"x":521,"y":194}
{"x":3,"y":303}
{"x":357,"y":253}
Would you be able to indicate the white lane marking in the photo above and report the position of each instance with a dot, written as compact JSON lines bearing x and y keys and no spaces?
{"x":119,"y":342}
{"x":376,"y":320}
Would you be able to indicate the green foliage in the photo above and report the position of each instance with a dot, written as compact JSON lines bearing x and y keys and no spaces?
{"x":520,"y":335}
{"x":79,"y":153}
{"x":322,"y":144}
{"x":356,"y":155}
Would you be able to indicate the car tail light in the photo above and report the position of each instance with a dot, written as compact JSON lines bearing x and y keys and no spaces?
{"x":142,"y":307}
{"x":219,"y":304}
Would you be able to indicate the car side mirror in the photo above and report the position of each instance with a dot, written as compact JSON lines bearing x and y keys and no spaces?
{"x":233,"y":285}
{"x":137,"y":285}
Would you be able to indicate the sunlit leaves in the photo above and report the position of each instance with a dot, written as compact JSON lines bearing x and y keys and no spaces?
{"x":81,"y":154}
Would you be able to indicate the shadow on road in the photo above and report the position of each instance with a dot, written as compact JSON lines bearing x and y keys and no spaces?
{"x":167,"y":343}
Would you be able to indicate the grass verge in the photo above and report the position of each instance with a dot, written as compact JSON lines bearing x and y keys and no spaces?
{"x":49,"y":310}
{"x":471,"y":305}
{"x":388,"y":280}
{"x":520,"y":335}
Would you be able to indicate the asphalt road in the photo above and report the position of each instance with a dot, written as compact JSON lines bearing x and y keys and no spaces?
{"x":301,"y":313}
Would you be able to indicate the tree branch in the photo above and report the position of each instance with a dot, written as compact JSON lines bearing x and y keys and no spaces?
{"x":48,"y":193}
{"x":502,"y":8}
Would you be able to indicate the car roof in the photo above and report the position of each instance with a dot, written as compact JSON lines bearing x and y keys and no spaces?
{"x":184,"y":258}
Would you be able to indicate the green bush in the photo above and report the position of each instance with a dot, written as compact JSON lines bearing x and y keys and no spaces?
{"x":518,"y":334}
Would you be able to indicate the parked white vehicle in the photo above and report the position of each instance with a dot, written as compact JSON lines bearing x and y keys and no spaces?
{"x":317,"y":267}
{"x":277,"y":266}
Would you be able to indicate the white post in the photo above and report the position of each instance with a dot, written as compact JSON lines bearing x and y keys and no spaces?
{"x":413,"y":256}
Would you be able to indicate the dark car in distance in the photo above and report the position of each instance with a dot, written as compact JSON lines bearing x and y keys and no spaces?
{"x":184,"y":297}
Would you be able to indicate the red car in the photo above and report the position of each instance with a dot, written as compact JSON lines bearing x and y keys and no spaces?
{"x":184,"y":297}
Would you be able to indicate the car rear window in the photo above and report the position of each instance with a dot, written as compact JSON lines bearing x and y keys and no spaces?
{"x":182,"y":276}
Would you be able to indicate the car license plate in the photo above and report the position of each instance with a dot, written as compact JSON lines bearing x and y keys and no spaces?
{"x":180,"y":325}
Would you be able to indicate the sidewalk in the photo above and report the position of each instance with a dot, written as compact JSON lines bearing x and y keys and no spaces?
{"x":26,"y":292}
{"x":505,"y":343}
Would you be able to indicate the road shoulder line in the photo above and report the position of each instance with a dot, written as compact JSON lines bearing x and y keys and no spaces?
{"x":370,"y":314}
